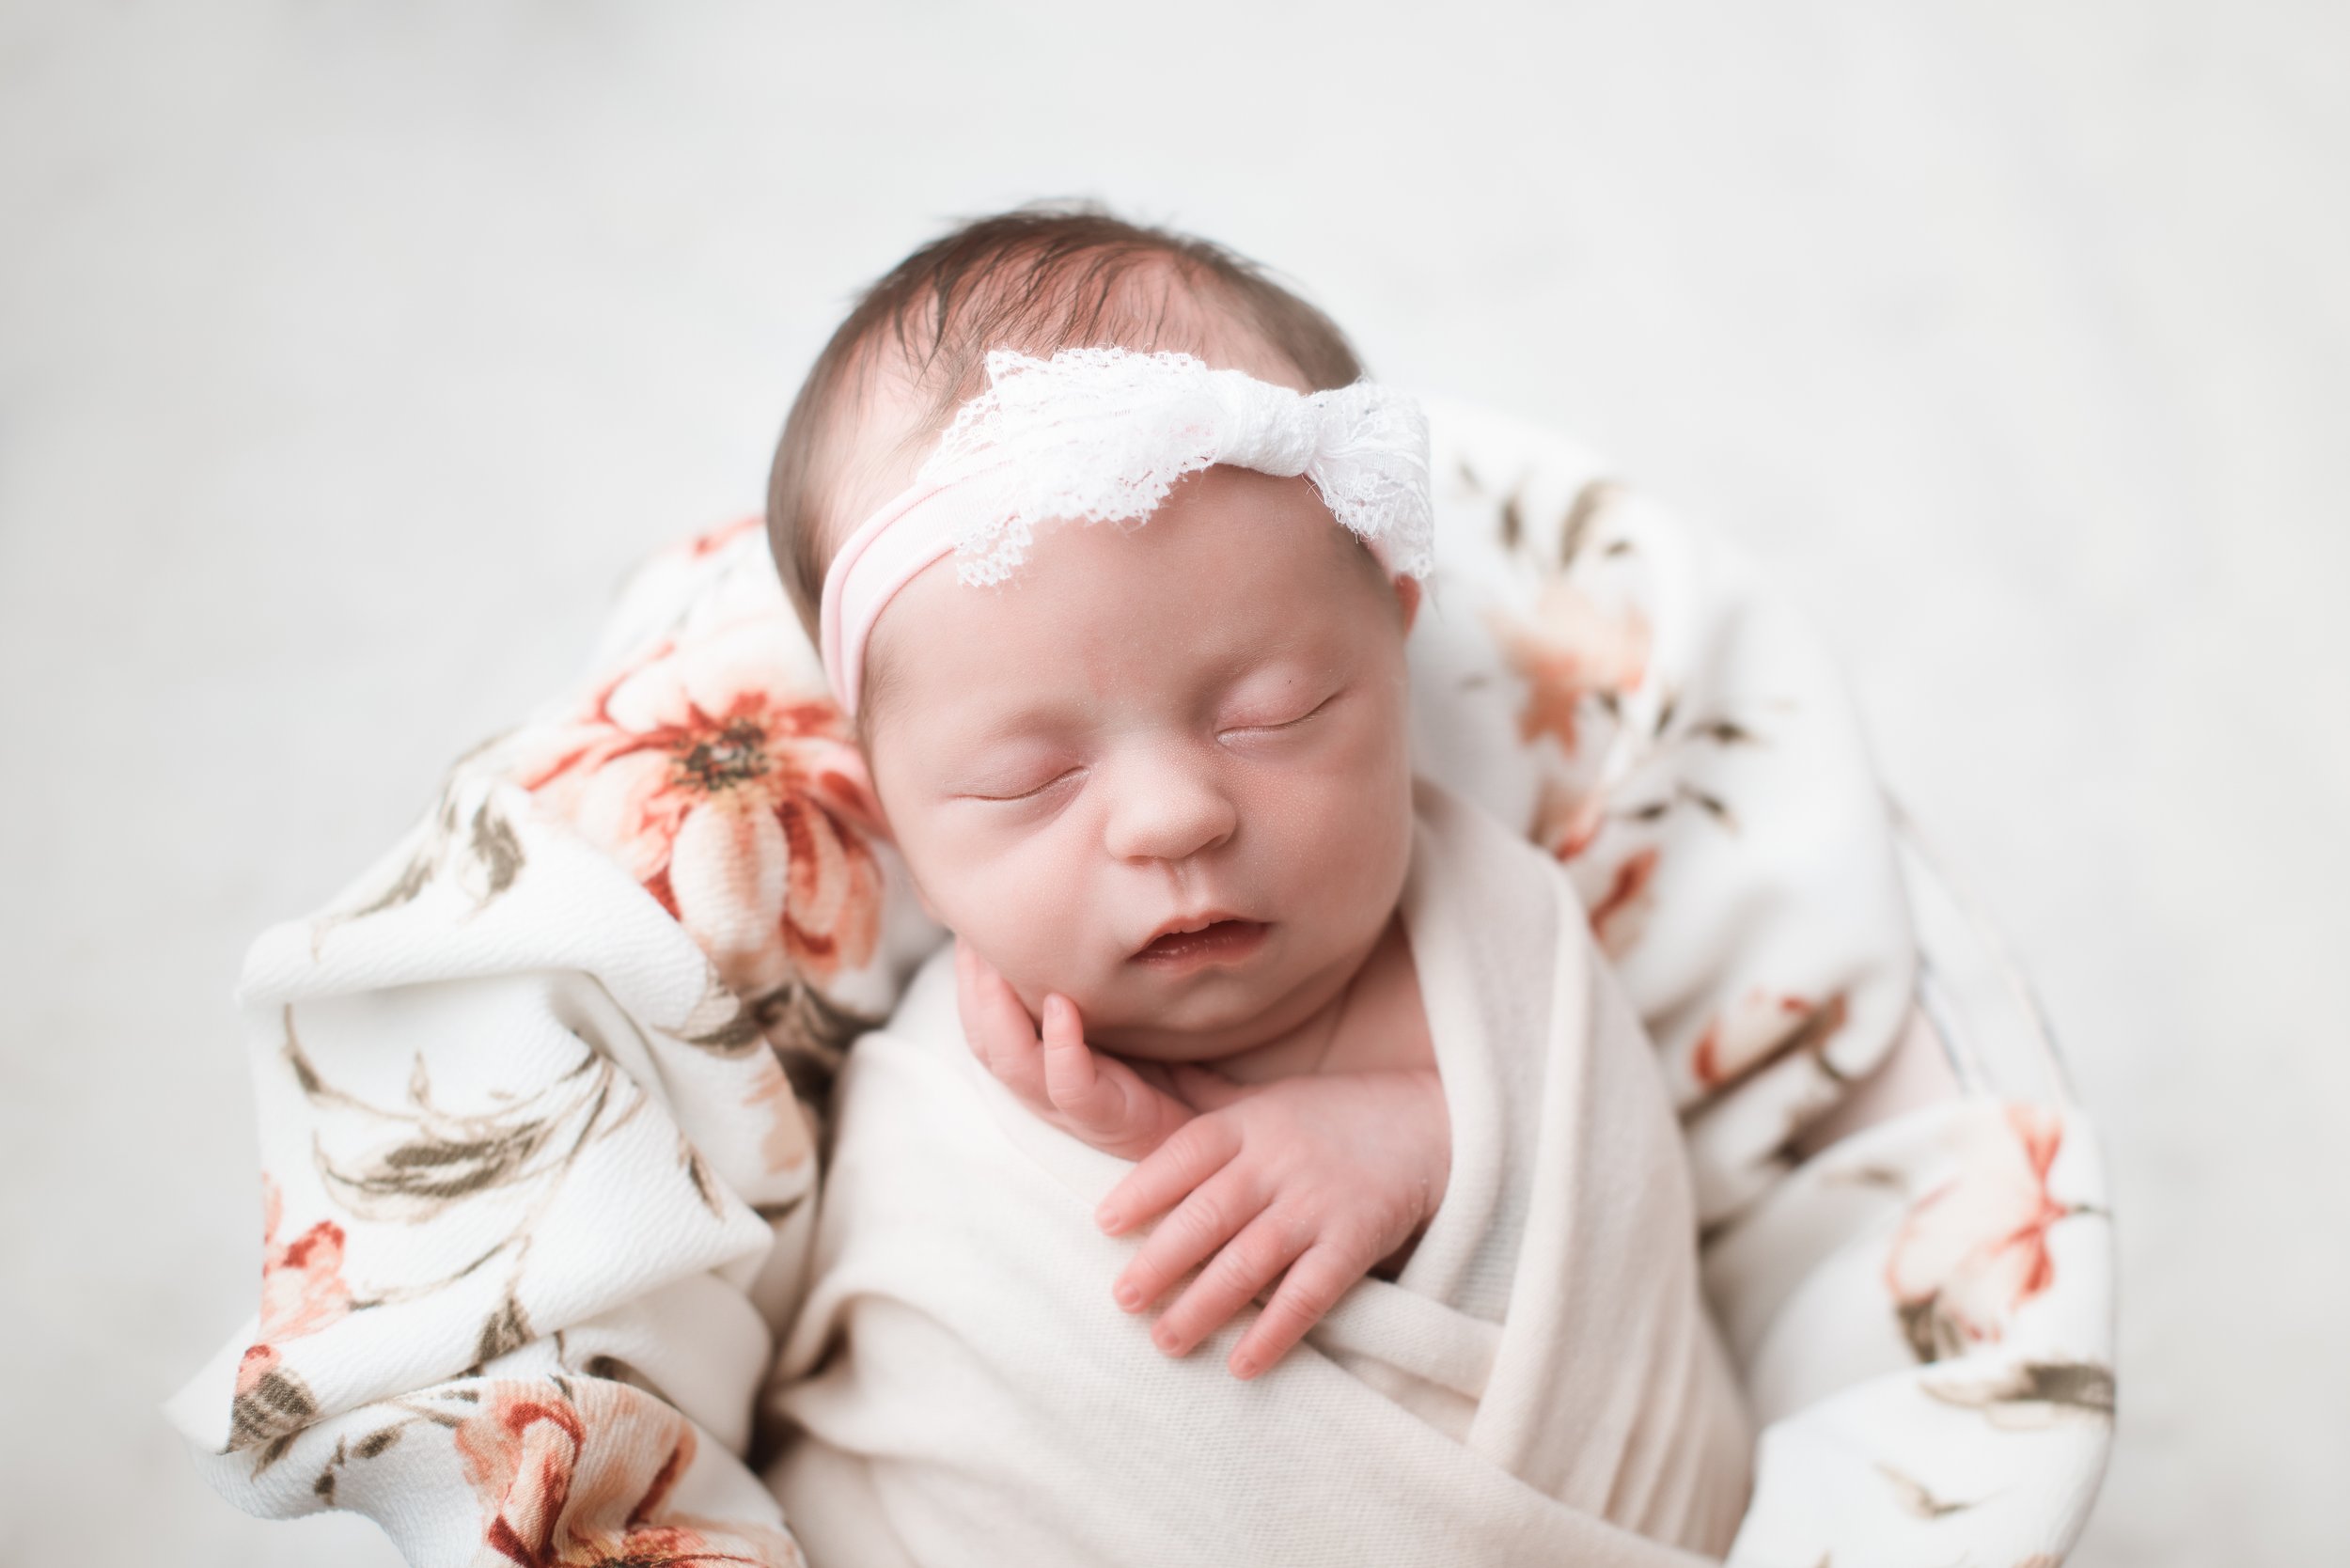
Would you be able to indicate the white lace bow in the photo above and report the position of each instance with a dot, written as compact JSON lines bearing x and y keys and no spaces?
{"x":1103,"y":433}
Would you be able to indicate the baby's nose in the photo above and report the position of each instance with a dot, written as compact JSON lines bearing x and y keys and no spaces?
{"x":1170,"y":807}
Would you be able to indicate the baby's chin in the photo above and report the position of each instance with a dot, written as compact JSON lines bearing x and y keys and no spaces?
{"x":1205,"y":1017}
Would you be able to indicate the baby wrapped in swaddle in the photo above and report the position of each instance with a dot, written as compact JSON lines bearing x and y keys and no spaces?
{"x":1122,"y":633}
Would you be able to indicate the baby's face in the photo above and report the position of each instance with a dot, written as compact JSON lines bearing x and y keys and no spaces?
{"x":1200,"y":718}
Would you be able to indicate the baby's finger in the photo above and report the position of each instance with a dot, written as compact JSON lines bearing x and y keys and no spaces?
{"x":1001,"y":1031}
{"x":968,"y":1001}
{"x":1100,"y":1098}
{"x":1322,"y":1274}
{"x":1254,"y":1260}
{"x":1196,"y":1150}
{"x":1211,"y":1216}
{"x":1072,"y":1076}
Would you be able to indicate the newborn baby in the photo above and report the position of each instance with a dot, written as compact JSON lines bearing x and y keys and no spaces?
{"x":1155,"y":775}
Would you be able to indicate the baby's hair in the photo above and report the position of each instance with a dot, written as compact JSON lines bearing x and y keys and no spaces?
{"x":1038,"y":278}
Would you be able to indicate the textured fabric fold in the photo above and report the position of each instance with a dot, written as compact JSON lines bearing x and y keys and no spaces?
{"x":538,"y":1167}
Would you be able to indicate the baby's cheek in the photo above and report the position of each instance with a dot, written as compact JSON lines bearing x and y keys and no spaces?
{"x":1025,"y":929}
{"x":1359,"y":873}
{"x":1354,"y":834}
{"x":1347,"y":894}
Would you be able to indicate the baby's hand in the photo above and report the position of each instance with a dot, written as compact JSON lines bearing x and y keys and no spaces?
{"x":1322,"y":1177}
{"x":1311,"y":1180}
{"x":1066,"y":1082}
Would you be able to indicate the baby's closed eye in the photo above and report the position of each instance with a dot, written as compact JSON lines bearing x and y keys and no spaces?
{"x":1018,"y":788}
{"x":1013,"y":768}
{"x":1277,"y":719}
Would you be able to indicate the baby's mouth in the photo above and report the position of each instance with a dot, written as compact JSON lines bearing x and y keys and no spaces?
{"x":1220,"y":942}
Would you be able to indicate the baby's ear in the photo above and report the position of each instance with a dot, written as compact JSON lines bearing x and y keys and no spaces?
{"x":1407,"y":593}
{"x":847,"y":785}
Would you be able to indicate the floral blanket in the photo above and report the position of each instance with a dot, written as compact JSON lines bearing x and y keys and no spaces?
{"x":541,"y":1094}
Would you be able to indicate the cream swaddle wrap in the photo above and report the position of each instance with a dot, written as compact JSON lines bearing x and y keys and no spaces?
{"x":1541,"y":1384}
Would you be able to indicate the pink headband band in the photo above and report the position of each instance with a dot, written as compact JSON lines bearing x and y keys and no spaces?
{"x":888,"y":551}
{"x":1102,"y":434}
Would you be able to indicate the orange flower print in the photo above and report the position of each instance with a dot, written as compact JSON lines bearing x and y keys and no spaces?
{"x":575,"y":1474}
{"x":785,"y":1145}
{"x":271,"y":1405}
{"x":725,"y":795}
{"x":257,"y":1363}
{"x":1760,"y":1029}
{"x":1976,"y":1249}
{"x":302,"y":1288}
{"x":1621,"y":912}
{"x":1572,"y":650}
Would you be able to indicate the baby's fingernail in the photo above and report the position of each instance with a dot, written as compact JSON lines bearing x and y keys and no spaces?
{"x":1109,"y":1219}
{"x":1128,"y":1296}
{"x":1243,"y":1366}
{"x":1165,"y":1339}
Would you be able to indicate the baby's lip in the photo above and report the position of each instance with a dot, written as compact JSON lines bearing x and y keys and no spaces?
{"x":1188,"y":923}
{"x":1201,"y":939}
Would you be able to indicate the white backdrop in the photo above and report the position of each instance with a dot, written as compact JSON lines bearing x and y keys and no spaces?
{"x":348,"y":354}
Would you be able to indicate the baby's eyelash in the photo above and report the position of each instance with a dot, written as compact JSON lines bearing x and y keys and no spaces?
{"x":1027,"y":794}
{"x":1287,"y":724}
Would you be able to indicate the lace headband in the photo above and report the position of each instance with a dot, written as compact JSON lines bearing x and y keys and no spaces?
{"x":1101,"y":435}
